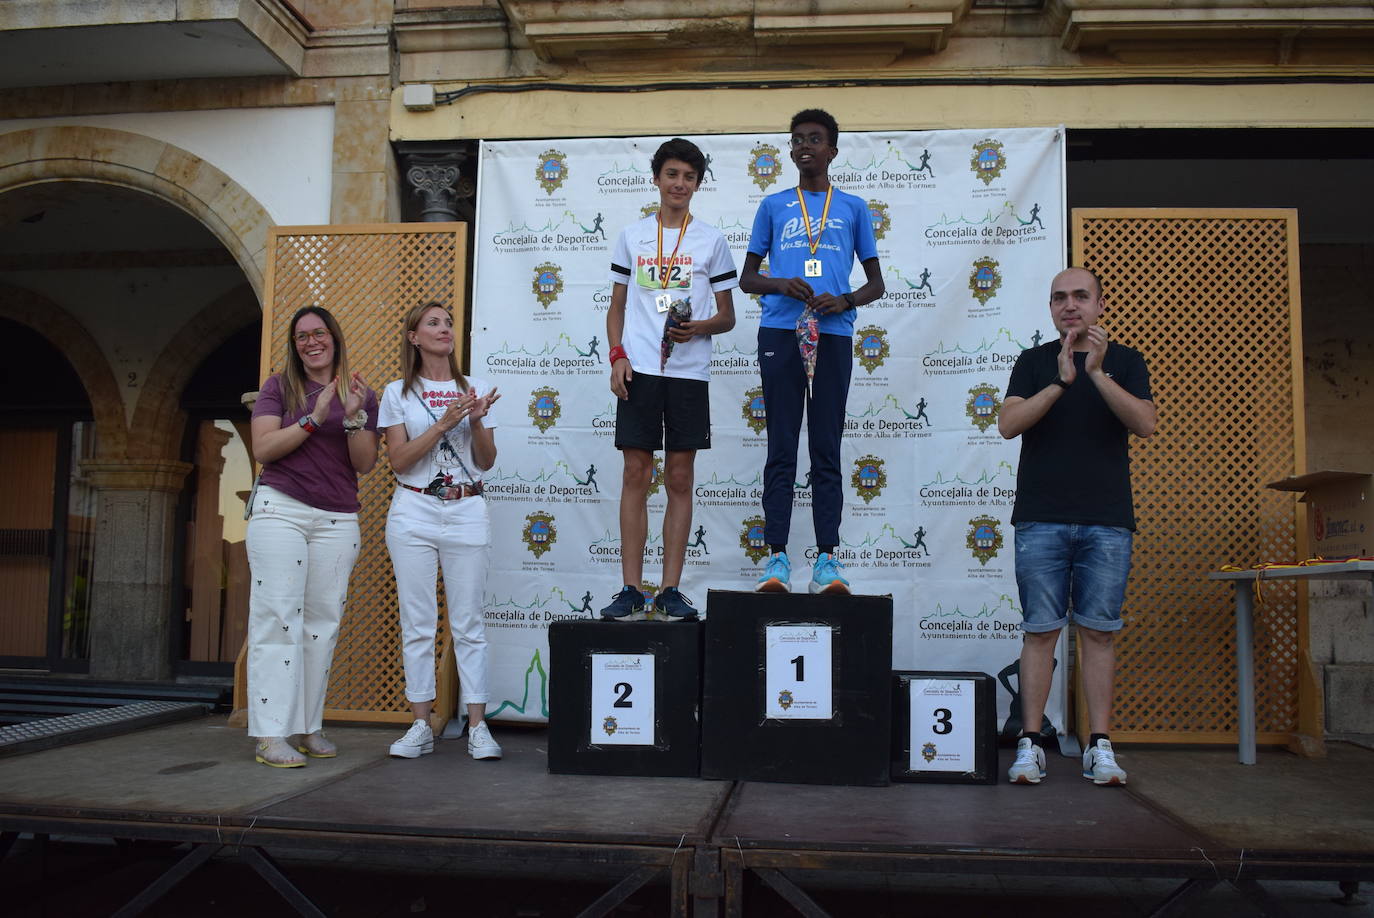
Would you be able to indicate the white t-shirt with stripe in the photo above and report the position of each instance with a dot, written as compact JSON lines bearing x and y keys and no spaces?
{"x":702,"y":268}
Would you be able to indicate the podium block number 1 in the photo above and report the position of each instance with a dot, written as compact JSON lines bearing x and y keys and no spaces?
{"x":942,"y":725}
{"x":797,"y":663}
{"x":622,"y":699}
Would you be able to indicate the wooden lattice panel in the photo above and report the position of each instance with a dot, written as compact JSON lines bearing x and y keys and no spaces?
{"x":368,"y":277}
{"x":1211,"y":298}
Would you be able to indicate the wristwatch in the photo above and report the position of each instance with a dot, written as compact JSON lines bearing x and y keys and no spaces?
{"x":308,"y":424}
{"x":1060,"y":383}
{"x":849,"y":298}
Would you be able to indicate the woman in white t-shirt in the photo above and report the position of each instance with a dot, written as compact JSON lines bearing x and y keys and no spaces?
{"x":439,"y":440}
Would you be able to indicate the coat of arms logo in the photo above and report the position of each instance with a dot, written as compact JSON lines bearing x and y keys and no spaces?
{"x":984,"y":280}
{"x":765,"y":164}
{"x":751,"y":539}
{"x":984,"y":538}
{"x":868,"y":477}
{"x":870,"y":347}
{"x":544,"y":408}
{"x":982,"y":406}
{"x":988,"y":160}
{"x":548,"y":283}
{"x":552,"y":170}
{"x":539,"y":533}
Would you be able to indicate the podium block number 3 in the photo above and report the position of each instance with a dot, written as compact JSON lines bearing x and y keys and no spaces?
{"x":622,"y":699}
{"x":942,"y":719}
{"x":797,"y":668}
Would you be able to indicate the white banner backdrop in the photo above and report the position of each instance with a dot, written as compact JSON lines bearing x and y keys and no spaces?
{"x":971,"y":226}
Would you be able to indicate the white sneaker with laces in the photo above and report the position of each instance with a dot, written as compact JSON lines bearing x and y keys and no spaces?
{"x":1029,"y":766}
{"x":1099,"y":765}
{"x":418,"y":741}
{"x":480,"y":743}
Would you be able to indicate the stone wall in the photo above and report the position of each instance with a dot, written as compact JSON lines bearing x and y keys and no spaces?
{"x":1338,"y":349}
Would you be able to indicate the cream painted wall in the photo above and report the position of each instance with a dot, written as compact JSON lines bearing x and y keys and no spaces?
{"x":283,"y":157}
{"x":547,"y":113}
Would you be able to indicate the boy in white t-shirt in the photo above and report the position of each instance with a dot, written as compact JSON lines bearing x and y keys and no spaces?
{"x":671,"y":279}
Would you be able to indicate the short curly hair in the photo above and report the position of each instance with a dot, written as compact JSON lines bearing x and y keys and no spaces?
{"x":817,"y":116}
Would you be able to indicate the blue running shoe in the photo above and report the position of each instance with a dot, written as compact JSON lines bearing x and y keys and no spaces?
{"x":672,"y":603}
{"x":777,"y":575}
{"x":828,"y":575}
{"x":627,"y":606}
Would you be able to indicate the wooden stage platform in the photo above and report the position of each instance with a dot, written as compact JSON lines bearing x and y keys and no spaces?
{"x":1193,"y":816}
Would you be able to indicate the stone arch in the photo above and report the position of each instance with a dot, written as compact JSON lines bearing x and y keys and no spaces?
{"x":94,"y":154}
{"x":71,"y":338}
{"x":151,"y":433}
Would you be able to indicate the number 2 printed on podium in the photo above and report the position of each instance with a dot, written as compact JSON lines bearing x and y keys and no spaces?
{"x":622,"y":699}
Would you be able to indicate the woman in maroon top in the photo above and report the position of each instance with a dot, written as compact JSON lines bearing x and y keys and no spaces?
{"x":314,"y":431}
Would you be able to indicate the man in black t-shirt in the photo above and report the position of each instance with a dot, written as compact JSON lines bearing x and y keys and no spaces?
{"x":1074,"y":402}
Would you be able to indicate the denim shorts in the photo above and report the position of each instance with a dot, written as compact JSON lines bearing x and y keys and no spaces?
{"x":1071,"y":566}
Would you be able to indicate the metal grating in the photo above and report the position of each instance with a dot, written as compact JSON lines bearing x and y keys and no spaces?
{"x":367,"y":276}
{"x":88,"y":725}
{"x":1210,"y":297}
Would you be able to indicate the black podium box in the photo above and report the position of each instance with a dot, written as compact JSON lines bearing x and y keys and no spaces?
{"x":625,"y":698}
{"x":944,"y":727}
{"x":798,"y":688}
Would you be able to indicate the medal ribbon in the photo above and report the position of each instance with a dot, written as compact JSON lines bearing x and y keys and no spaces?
{"x":815,"y":241}
{"x":664,"y":275}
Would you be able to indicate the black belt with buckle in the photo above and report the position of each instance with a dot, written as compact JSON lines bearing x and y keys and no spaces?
{"x":446,"y":492}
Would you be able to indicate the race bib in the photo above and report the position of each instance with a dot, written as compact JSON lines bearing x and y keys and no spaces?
{"x":649,"y":273}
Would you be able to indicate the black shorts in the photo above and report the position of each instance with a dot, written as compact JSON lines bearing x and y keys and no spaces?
{"x":664,"y":412}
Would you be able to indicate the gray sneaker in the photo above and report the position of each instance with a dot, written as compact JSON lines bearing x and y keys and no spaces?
{"x":1029,"y":766}
{"x":1099,"y":765}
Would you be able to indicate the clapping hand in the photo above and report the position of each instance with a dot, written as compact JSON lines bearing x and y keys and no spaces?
{"x":479,"y":406}
{"x":326,"y":396}
{"x":356,"y":396}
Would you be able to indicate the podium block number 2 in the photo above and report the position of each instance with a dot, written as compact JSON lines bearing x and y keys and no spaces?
{"x":942,"y":725}
{"x":797,"y":668}
{"x":622,"y":699}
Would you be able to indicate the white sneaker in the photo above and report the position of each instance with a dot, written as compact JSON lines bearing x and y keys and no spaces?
{"x":1099,"y":765}
{"x":480,"y":743}
{"x":1029,"y":766}
{"x":418,"y":741}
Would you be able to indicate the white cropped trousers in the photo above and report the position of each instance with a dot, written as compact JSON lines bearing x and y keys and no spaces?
{"x":423,"y":535}
{"x":300,"y":560}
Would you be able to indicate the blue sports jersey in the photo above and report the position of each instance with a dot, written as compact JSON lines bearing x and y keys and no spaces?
{"x":780,"y":236}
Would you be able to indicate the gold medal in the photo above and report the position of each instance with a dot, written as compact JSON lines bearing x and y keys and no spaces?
{"x":813,"y":264}
{"x":665,"y":272}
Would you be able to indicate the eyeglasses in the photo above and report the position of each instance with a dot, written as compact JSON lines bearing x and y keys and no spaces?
{"x":317,"y":334}
{"x":815,"y":140}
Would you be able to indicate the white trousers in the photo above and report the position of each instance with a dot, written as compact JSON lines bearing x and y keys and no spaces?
{"x":300,"y":560}
{"x":423,"y":535}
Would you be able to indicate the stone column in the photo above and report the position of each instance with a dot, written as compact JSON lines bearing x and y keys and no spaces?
{"x":131,"y":586}
{"x":434,"y":176}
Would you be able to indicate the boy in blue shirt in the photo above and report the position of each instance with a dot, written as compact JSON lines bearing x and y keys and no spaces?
{"x":810,"y":235}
